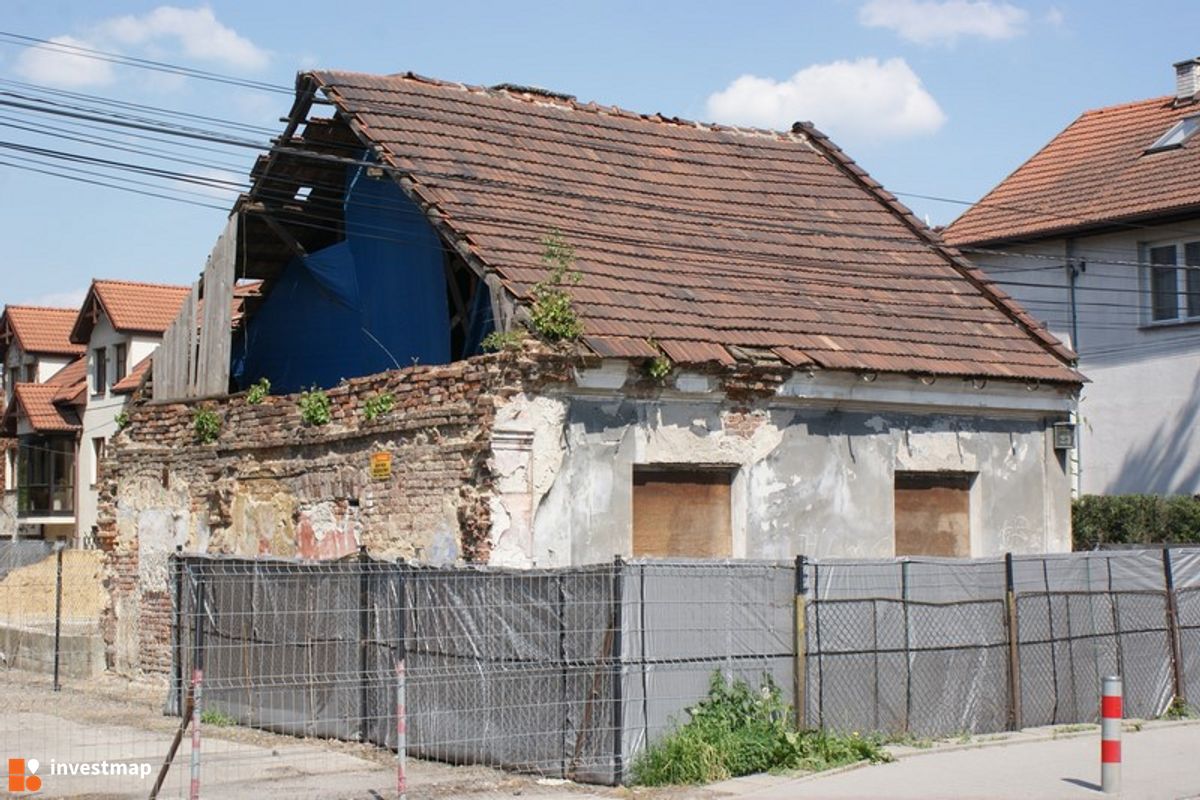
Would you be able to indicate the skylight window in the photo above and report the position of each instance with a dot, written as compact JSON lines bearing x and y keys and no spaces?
{"x":1179,"y":133}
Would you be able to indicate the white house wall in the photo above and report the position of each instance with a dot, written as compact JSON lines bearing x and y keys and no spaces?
{"x":809,"y":478}
{"x":1138,"y":414}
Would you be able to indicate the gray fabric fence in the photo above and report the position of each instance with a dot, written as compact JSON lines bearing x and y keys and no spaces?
{"x":571,"y":672}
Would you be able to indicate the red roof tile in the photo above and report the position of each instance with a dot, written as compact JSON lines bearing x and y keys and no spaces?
{"x":133,"y":380}
{"x":131,"y":307}
{"x":1096,"y":172}
{"x":36,"y":402}
{"x":702,"y":239}
{"x":45,"y":331}
{"x":71,"y":383}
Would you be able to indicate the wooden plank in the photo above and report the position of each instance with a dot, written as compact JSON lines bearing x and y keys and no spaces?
{"x":682,"y":511}
{"x":212,"y":369}
{"x":191,"y":339}
{"x":932,"y":514}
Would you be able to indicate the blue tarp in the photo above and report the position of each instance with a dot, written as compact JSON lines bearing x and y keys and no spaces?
{"x":373,"y":302}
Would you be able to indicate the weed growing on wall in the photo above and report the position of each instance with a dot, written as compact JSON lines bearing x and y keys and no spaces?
{"x":206,"y":425}
{"x":659,"y":367}
{"x":553,"y":316}
{"x":258,"y":392}
{"x":315,"y":408}
{"x":122,"y":420}
{"x":738,"y":730}
{"x":496,"y":341}
{"x":378,"y":405}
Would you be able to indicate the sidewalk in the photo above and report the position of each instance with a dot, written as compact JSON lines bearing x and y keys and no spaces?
{"x":1160,"y":761}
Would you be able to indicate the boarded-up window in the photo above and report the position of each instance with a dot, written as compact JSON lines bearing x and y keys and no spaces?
{"x":681,"y":512}
{"x":933,"y":514}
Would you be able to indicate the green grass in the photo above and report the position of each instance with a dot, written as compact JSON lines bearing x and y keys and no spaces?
{"x":738,"y":730}
{"x":216,"y":717}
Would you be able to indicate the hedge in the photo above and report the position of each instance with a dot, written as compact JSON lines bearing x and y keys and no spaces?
{"x":1135,"y":519}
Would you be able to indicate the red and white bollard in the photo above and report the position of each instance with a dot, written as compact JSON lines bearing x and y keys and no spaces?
{"x":1111,"y":714}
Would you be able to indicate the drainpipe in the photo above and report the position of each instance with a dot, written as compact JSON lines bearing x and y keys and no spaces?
{"x":1074,"y":268}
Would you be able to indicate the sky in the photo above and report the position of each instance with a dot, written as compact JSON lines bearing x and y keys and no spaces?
{"x":935,"y":98}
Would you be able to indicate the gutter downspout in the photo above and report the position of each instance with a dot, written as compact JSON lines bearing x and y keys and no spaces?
{"x":1073,"y":272}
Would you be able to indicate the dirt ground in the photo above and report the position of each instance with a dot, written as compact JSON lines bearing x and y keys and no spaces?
{"x":110,"y":719}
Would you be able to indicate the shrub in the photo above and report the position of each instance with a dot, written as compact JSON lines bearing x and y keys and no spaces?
{"x":736,"y":731}
{"x":378,"y":405}
{"x":206,"y":425}
{"x":552,"y":314}
{"x":216,"y":718}
{"x":315,"y":408}
{"x":258,"y":392}
{"x":1134,"y":519}
{"x":497,"y":341}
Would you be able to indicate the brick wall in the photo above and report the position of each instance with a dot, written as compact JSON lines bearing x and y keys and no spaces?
{"x":272,"y":485}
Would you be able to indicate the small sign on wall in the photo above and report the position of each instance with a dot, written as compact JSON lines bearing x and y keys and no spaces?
{"x":381,"y":466}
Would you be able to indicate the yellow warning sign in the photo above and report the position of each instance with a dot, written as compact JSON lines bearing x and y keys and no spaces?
{"x":381,"y":466}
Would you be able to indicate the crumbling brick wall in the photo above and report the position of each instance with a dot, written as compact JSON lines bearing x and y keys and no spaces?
{"x":272,"y":485}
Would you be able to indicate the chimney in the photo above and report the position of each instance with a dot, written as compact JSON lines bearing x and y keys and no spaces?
{"x":1187,"y":79}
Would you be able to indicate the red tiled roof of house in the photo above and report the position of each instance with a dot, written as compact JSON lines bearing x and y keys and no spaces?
{"x":131,"y":307}
{"x":133,"y":380}
{"x":36,"y":402}
{"x":1095,"y":173}
{"x":710,"y":242}
{"x":40,"y":330}
{"x":71,"y":382}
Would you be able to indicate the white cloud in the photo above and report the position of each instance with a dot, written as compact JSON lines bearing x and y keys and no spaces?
{"x":862,"y":100}
{"x":1055,"y":17}
{"x":62,"y":66}
{"x":944,"y":21}
{"x":196,"y":30}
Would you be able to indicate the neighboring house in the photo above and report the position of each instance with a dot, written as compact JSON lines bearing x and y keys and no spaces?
{"x":1098,"y":234}
{"x":36,"y":346}
{"x":776,"y":356}
{"x":120,"y":324}
{"x":70,"y":372}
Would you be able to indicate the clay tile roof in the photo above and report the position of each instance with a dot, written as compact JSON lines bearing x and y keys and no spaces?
{"x":1095,"y":173}
{"x":133,"y":380}
{"x":706,"y":240}
{"x":36,"y":402}
{"x":40,"y":330}
{"x":131,"y":307}
{"x":70,"y":382}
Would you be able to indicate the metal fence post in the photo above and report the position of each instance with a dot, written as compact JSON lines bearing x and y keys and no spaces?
{"x":364,"y":632}
{"x":177,"y":629}
{"x":618,"y":717}
{"x":1173,"y":627}
{"x":820,"y":648}
{"x":197,"y":682}
{"x":1014,"y":646}
{"x":800,"y":676}
{"x":401,"y":682}
{"x":57,"y":611}
{"x":907,"y":648}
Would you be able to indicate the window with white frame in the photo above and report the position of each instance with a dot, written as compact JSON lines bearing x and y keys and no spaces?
{"x":1173,"y":281}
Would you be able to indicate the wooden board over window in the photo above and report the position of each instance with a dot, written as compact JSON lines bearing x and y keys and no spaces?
{"x":933,"y":514}
{"x":682,"y":512}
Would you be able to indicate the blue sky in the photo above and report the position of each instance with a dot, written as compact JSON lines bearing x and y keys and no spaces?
{"x":933,"y":97}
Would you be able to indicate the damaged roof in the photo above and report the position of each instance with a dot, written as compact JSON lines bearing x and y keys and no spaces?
{"x":40,"y":330}
{"x":712,"y":243}
{"x":1101,"y":171}
{"x":131,"y":307}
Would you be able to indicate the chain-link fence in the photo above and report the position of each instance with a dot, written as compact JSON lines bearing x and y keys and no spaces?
{"x":560,"y":672}
{"x":51,"y":603}
{"x":935,"y":647}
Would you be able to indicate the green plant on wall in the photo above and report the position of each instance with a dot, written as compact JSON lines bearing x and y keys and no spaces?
{"x":552,"y":315}
{"x":659,"y":367}
{"x":315,"y":408}
{"x":206,"y":425}
{"x":122,"y":420}
{"x":378,"y":405}
{"x":258,"y":392}
{"x":496,"y":341}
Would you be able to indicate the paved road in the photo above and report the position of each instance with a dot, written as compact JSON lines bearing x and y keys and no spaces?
{"x":1161,"y":762}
